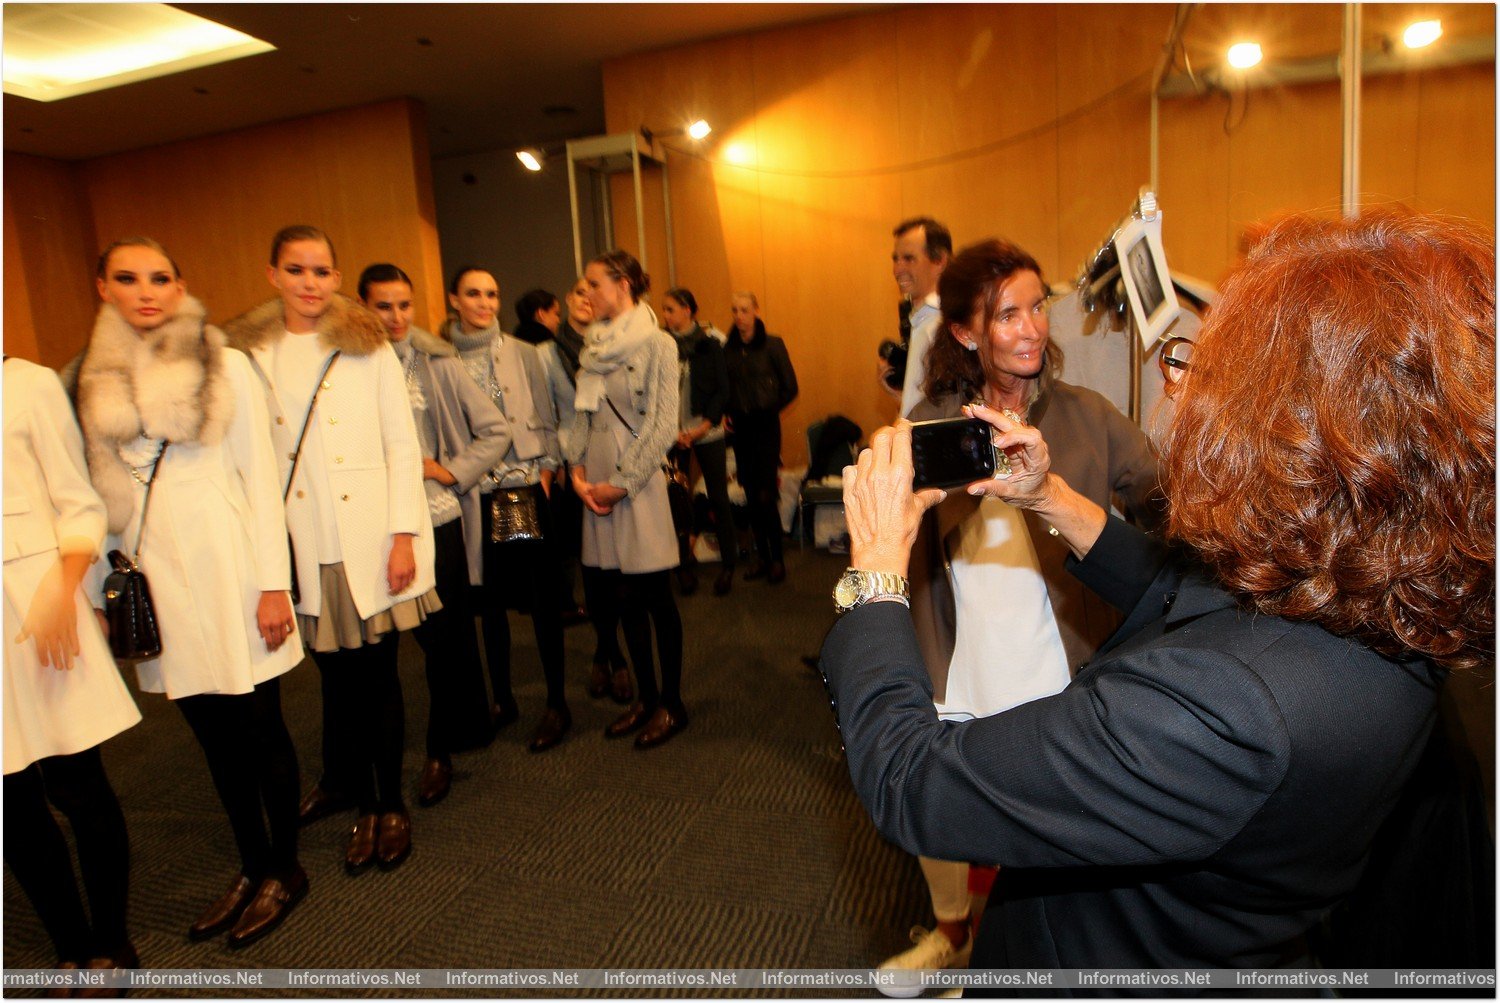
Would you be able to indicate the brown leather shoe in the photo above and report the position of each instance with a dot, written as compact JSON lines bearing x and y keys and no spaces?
{"x":223,"y":911}
{"x":61,"y":992}
{"x":776,"y":573}
{"x":724,"y":582}
{"x":274,"y":899}
{"x":621,"y":687}
{"x":554,"y":725}
{"x":598,"y":680}
{"x":318,"y":803}
{"x":434,"y":783}
{"x":634,"y":717}
{"x":662,"y":726}
{"x":361,"y":852}
{"x":123,"y":958}
{"x":687,"y":581}
{"x":393,"y":845}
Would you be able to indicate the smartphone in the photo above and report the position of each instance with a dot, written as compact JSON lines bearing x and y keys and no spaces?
{"x":949,"y":452}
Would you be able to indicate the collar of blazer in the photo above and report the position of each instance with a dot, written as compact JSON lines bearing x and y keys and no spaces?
{"x":345,"y":326}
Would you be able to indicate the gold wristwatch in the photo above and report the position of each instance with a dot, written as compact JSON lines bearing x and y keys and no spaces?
{"x":856,"y":587}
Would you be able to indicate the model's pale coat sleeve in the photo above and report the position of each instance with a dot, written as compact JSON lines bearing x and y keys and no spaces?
{"x":407,"y":501}
{"x":248,"y":442}
{"x":81,"y":520}
{"x":490,"y":430}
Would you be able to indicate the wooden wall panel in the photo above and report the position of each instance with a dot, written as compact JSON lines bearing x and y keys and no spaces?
{"x":50,"y":253}
{"x":216,"y":202}
{"x":847,"y":126}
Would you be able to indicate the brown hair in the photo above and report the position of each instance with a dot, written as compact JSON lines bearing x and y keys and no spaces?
{"x":103,"y":266}
{"x":291,"y":234}
{"x":622,"y":265}
{"x":1332,"y":452}
{"x":971,"y":283}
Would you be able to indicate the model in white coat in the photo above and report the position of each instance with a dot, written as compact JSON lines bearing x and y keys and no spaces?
{"x":63,"y":693}
{"x":158,"y":390}
{"x":359,"y":522}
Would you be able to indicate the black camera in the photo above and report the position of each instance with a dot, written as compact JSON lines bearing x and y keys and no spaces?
{"x":894,"y":354}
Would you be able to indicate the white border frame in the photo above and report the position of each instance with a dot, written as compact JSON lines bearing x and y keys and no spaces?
{"x":1152,"y":328}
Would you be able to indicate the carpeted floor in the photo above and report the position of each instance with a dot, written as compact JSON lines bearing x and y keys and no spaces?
{"x":738,"y":844}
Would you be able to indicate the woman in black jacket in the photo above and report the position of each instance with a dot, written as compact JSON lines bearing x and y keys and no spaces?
{"x":704,"y":394}
{"x":761,"y":384}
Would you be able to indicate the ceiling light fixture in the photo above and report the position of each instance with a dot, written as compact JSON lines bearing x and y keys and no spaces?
{"x":699,"y":129}
{"x":1243,"y":55}
{"x":59,"y":50}
{"x":1422,"y":33}
{"x":531,"y":158}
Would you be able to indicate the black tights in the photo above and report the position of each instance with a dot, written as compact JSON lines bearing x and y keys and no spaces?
{"x":639,"y":602}
{"x":254,"y":767}
{"x":38,"y":854}
{"x":522,"y":575}
{"x":364,"y":724}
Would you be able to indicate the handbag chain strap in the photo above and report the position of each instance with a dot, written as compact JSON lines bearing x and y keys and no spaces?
{"x":140,"y":533}
{"x":306,"y":421}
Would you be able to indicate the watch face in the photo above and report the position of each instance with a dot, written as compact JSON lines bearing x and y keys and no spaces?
{"x":846,"y":592}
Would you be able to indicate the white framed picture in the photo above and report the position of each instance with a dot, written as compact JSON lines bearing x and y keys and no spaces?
{"x":1148,"y":283}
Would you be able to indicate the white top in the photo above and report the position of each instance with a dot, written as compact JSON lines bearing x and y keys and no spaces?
{"x":299,"y":360}
{"x":215,"y":539}
{"x":1007,"y":649}
{"x":925,"y":318}
{"x":51,"y":507}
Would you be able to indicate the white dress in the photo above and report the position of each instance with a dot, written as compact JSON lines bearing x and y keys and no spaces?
{"x":50,"y":506}
{"x":215,"y":538}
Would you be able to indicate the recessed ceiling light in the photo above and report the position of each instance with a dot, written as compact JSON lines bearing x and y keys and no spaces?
{"x":1420,"y":33}
{"x":1243,"y":55}
{"x":531,"y":158}
{"x":60,"y":50}
{"x":699,"y":129}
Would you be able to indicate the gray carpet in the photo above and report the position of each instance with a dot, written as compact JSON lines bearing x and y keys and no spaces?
{"x":738,"y":844}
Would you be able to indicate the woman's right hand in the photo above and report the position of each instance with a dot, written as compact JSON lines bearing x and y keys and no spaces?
{"x":1026,"y":485}
{"x":52,"y":620}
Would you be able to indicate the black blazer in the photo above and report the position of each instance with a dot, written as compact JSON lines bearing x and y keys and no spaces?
{"x":1198,"y":797}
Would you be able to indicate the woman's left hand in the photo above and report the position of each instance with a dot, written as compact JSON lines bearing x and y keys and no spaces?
{"x":606,"y":496}
{"x":274,"y":617}
{"x":880,"y":507}
{"x":402,"y":569}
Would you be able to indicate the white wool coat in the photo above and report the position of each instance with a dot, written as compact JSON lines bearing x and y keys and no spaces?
{"x":51,"y":509}
{"x":215,"y":535}
{"x":374,"y":459}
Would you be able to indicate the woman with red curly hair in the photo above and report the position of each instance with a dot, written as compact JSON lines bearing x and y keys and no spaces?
{"x":1208,"y":787}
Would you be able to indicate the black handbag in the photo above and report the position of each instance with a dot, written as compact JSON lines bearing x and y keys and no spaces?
{"x":291,"y":552}
{"x":133,"y":632}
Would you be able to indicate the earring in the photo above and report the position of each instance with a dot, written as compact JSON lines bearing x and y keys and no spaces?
{"x":973,"y":346}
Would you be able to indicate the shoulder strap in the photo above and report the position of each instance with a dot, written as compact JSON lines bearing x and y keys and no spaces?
{"x":307,"y":420}
{"x":140,"y":533}
{"x":620,"y":416}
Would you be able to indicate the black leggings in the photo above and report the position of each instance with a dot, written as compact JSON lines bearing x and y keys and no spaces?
{"x":640,"y":602}
{"x":254,"y":767}
{"x":364,"y":724}
{"x":522,"y":575}
{"x":757,"y":454}
{"x":38,"y":854}
{"x":712,"y":457}
{"x":458,"y":717}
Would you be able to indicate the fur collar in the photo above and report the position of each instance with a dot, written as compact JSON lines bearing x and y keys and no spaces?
{"x":346,"y":326}
{"x":168,"y":383}
{"x":430,"y":344}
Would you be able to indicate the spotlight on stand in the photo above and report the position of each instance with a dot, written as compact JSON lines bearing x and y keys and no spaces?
{"x":1422,"y":33}
{"x":531,"y":158}
{"x":1243,"y":55}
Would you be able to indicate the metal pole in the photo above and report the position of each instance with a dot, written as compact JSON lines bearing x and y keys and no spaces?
{"x":666,"y":198}
{"x":640,"y":203}
{"x":573,"y":203}
{"x":1350,"y":70}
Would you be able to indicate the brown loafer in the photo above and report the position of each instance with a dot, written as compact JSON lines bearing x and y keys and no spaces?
{"x":393,"y":845}
{"x":636,"y":715}
{"x":318,"y":803}
{"x":274,"y":899}
{"x":598,"y":680}
{"x":662,"y":726}
{"x":554,"y":725}
{"x":123,"y":958}
{"x":433,"y":785}
{"x":620,"y":684}
{"x":361,"y":852}
{"x":223,"y":911}
{"x":61,"y":992}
